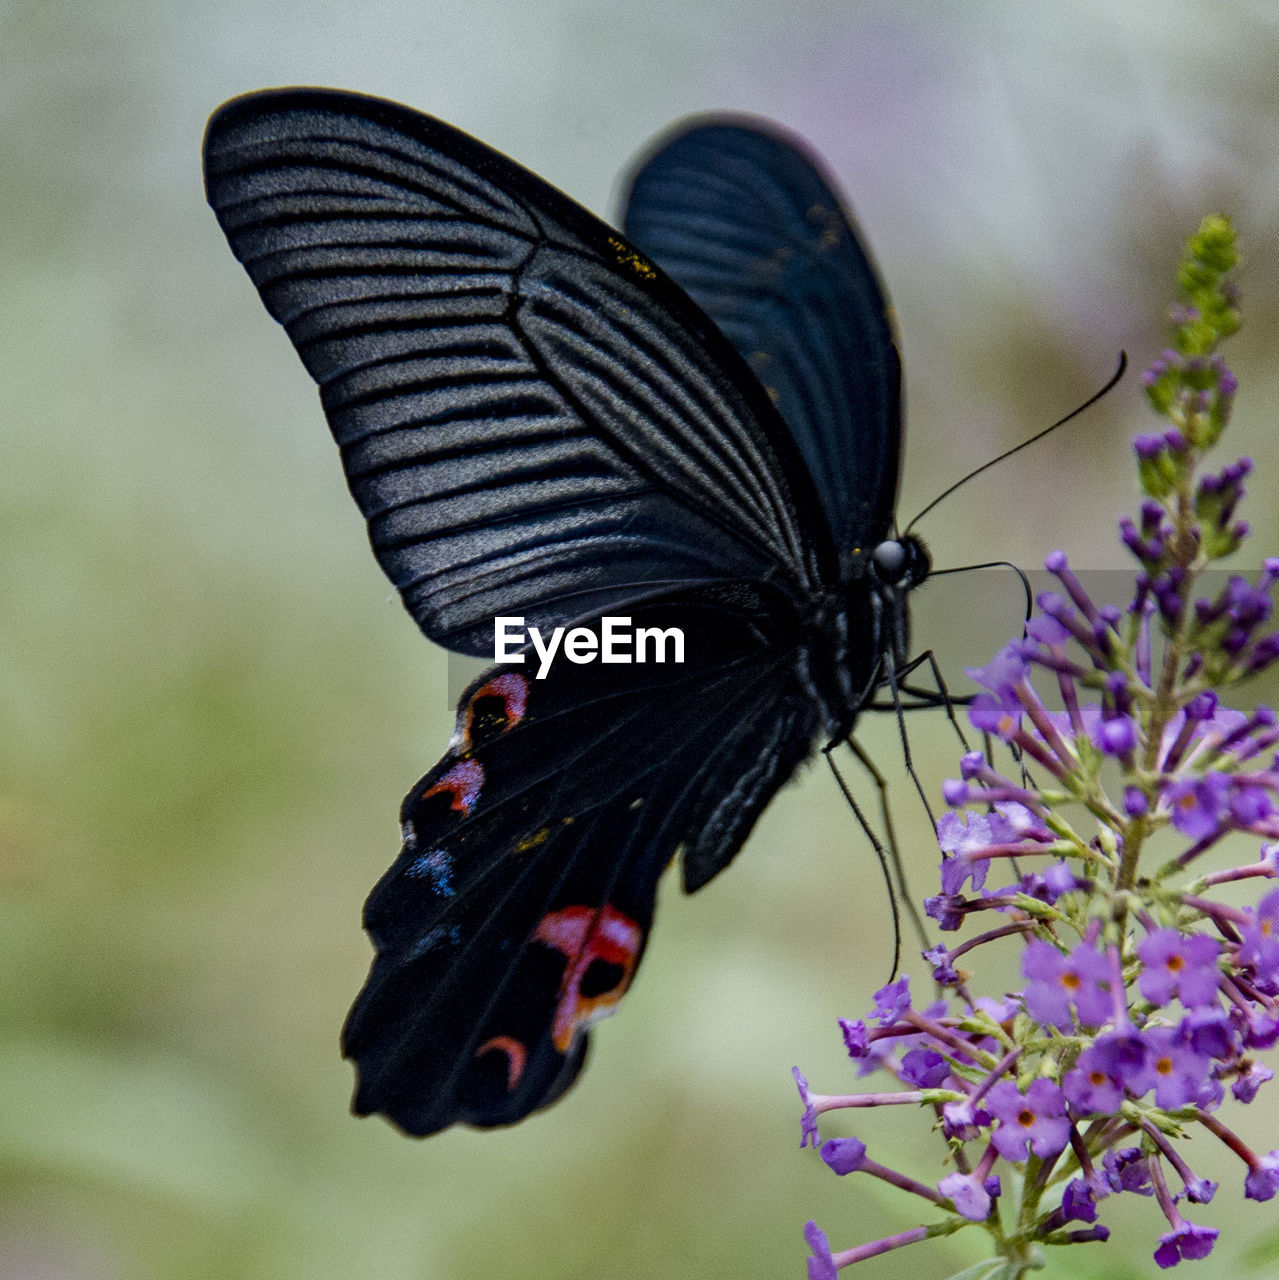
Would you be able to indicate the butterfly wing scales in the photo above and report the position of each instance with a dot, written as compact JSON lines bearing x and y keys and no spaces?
{"x":743,"y":218}
{"x":518,"y":909}
{"x":532,"y":419}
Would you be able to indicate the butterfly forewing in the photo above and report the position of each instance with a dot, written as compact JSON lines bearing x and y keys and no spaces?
{"x":743,"y":219}
{"x":533,"y":420}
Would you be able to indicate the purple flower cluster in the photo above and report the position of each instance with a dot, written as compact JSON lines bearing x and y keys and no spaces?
{"x":1146,"y":998}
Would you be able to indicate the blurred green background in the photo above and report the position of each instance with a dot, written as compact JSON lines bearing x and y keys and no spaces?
{"x":211,"y":703}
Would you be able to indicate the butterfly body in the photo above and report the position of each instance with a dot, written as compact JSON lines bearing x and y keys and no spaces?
{"x":539,"y":418}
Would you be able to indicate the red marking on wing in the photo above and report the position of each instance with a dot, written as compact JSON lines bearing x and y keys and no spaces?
{"x":512,"y":689}
{"x":586,"y":935}
{"x":461,"y":784}
{"x":516,"y":1057}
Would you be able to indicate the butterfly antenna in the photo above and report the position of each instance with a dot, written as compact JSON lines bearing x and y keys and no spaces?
{"x":991,"y":564}
{"x":886,"y":861}
{"x":1017,"y":448}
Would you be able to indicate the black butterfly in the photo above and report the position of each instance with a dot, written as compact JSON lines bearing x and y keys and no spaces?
{"x":537,"y":421}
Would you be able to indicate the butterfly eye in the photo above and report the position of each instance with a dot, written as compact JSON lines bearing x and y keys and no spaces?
{"x":901,"y":563}
{"x":890,"y":559}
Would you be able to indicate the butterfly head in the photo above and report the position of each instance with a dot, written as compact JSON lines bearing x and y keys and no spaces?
{"x":897,"y":566}
{"x":861,"y":635}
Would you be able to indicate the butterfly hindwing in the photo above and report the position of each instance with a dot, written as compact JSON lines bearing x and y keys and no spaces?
{"x":533,"y":419}
{"x":742,"y":217}
{"x":520,"y":904}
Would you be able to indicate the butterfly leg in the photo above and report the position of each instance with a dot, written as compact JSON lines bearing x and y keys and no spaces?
{"x":940,"y":696}
{"x":890,"y":679}
{"x":894,"y":854}
{"x":889,"y":858}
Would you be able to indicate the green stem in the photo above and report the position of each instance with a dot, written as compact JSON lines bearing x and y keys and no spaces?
{"x":1166,"y":700}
